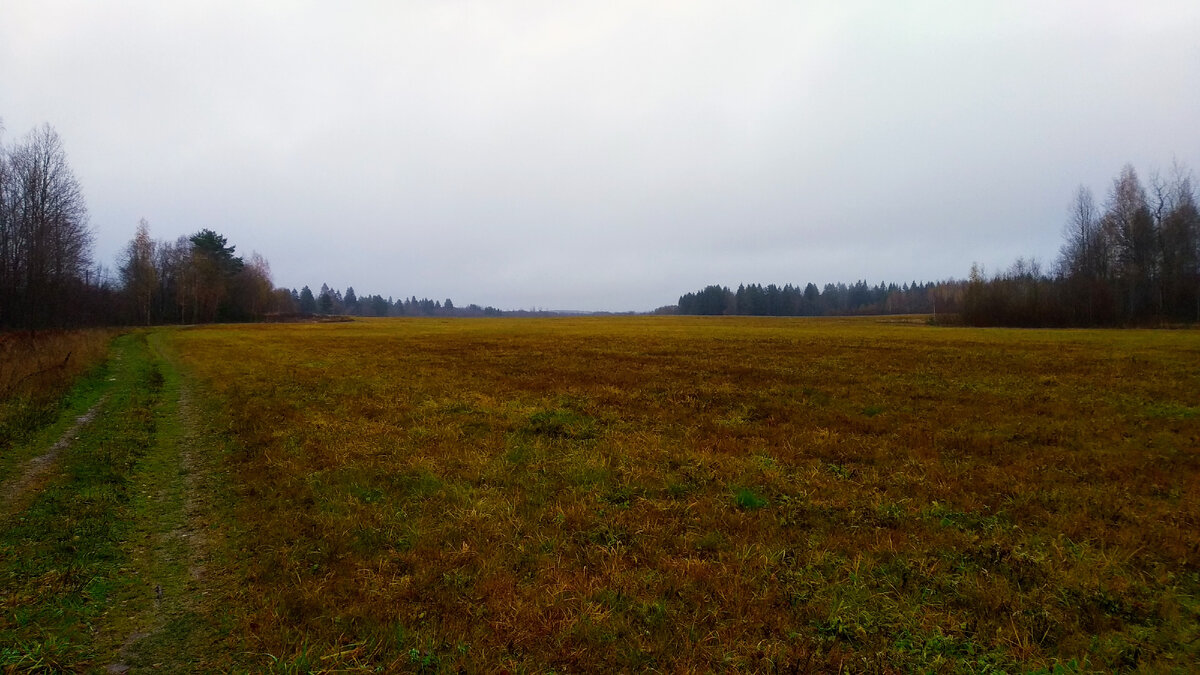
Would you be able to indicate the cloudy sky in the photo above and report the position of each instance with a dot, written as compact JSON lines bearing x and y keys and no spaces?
{"x":607,"y":155}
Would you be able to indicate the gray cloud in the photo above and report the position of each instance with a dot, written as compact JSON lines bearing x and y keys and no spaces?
{"x":603,"y":155}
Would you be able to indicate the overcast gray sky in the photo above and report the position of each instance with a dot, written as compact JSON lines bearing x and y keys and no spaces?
{"x":608,"y":155}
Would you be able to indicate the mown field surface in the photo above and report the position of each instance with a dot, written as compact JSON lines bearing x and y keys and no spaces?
{"x":687,"y":494}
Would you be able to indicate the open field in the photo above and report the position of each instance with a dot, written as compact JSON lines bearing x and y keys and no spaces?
{"x":675,"y":494}
{"x":685,"y":493}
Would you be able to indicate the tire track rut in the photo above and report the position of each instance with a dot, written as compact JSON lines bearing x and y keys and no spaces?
{"x":35,"y":470}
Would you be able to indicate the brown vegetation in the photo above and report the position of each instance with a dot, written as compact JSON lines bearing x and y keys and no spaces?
{"x":701,"y":494}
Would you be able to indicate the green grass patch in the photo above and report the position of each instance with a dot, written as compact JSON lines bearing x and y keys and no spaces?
{"x":748,"y":500}
{"x":561,"y":423}
{"x":1171,"y":411}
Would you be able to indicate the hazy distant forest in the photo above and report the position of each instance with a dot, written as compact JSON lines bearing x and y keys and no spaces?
{"x":834,"y":299}
{"x":1134,"y":260}
{"x":50,"y":279}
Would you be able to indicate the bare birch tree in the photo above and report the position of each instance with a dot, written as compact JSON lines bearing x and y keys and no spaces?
{"x":139,"y":276}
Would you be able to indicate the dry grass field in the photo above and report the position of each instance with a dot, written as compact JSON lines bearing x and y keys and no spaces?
{"x":679,"y":494}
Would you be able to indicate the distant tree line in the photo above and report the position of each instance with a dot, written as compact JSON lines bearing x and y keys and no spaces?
{"x":194,"y":279}
{"x":833,"y":299}
{"x":1135,"y":260}
{"x":48,"y":278}
{"x":330,"y":301}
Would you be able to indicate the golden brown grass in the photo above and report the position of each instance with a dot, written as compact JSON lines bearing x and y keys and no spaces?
{"x":44,"y":363}
{"x":36,"y":369}
{"x":701,"y":494}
